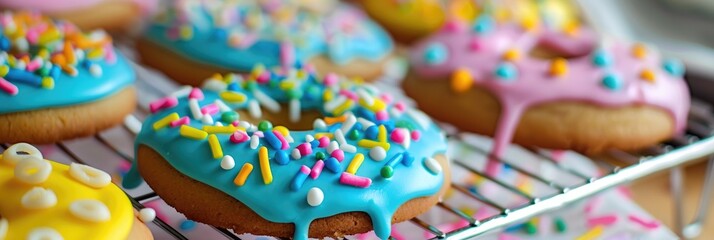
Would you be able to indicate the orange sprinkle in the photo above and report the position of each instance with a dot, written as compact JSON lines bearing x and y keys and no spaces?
{"x":648,"y":75}
{"x":69,"y":53}
{"x":529,"y":23}
{"x":461,"y":80}
{"x":639,"y":50}
{"x":559,"y":67}
{"x":243,"y":174}
{"x":511,"y":55}
{"x":572,"y":28}
{"x":333,"y":120}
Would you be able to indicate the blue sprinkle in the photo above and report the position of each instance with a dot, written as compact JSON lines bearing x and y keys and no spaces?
{"x":298,"y":64}
{"x":506,"y":71}
{"x":515,"y":228}
{"x":187,"y":225}
{"x":272,"y":140}
{"x":55,"y":72}
{"x":298,"y":180}
{"x":601,"y":58}
{"x":334,"y":127}
{"x":674,"y":67}
{"x":22,"y":76}
{"x":333,"y":165}
{"x":435,"y":53}
{"x":371,"y":132}
{"x":396,"y":159}
{"x":233,"y":87}
{"x":315,"y":143}
{"x":357,"y":126}
{"x":612,"y":82}
{"x":484,"y":24}
{"x":281,"y":157}
{"x":4,"y":44}
{"x":220,"y":34}
{"x":388,"y":124}
{"x":407,"y":159}
{"x":364,"y":113}
{"x":86,"y":64}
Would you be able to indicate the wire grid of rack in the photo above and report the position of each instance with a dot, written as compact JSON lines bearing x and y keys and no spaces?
{"x":694,"y":145}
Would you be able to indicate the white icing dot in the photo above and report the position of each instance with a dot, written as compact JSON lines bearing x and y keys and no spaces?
{"x":332,"y":147}
{"x":315,"y":197}
{"x":295,"y":154}
{"x":147,"y":215}
{"x":214,"y":85}
{"x":432,"y":165}
{"x":11,"y":156}
{"x":44,"y":233}
{"x":309,"y":138}
{"x":227,"y":163}
{"x":38,"y":198}
{"x":33,"y":170}
{"x":3,"y":228}
{"x":254,"y":141}
{"x":90,"y":210}
{"x":95,"y":70}
{"x":319,"y":125}
{"x":377,"y":153}
{"x":89,"y":176}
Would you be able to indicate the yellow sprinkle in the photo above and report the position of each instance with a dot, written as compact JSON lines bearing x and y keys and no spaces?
{"x":234,"y":97}
{"x":49,"y":36}
{"x":287,"y":85}
{"x":217,"y":76}
{"x":355,"y":163}
{"x":186,"y":32}
{"x":301,"y":74}
{"x":333,"y":120}
{"x":319,"y":135}
{"x":559,"y":67}
{"x":96,"y":53}
{"x":594,"y":233}
{"x":366,"y":143}
{"x":229,"y":78}
{"x":328,"y":96}
{"x":265,"y":165}
{"x":243,"y":174}
{"x":511,"y":55}
{"x":461,"y":80}
{"x":48,"y":83}
{"x":216,"y":149}
{"x":377,"y":106}
{"x":192,"y":133}
{"x":282,"y":130}
{"x":257,"y":70}
{"x":4,"y":69}
{"x":648,"y":75}
{"x":220,"y":129}
{"x":529,"y":23}
{"x":165,"y":121}
{"x":639,"y":50}
{"x":343,"y":107}
{"x":382,"y":134}
{"x":44,"y":53}
{"x":572,"y":28}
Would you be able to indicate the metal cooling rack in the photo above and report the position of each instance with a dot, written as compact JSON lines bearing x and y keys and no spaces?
{"x":619,"y":168}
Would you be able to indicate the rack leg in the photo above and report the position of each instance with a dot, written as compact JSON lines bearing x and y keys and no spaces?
{"x":694,"y":228}
{"x":676,"y":183}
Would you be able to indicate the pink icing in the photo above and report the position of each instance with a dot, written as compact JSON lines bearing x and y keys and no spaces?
{"x":49,"y":6}
{"x":481,"y":53}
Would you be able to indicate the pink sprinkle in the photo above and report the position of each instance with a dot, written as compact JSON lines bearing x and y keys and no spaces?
{"x":110,"y":56}
{"x":317,"y":169}
{"x":32,"y":36}
{"x":263,"y":78}
{"x":331,"y":79}
{"x":259,"y":133}
{"x":651,"y":225}
{"x":338,"y":154}
{"x":124,"y":166}
{"x":239,"y":137}
{"x":287,"y":54}
{"x":157,"y":208}
{"x":236,"y":123}
{"x":382,"y":115}
{"x":557,"y":155}
{"x":606,"y":220}
{"x":453,"y":26}
{"x":284,"y":142}
{"x":196,"y":93}
{"x":181,"y":121}
{"x":399,"y":135}
{"x":349,"y":94}
{"x":400,"y":106}
{"x":504,"y":236}
{"x":474,"y":44}
{"x":387,"y":98}
{"x":8,"y":87}
{"x":324,"y":141}
{"x":356,"y":181}
{"x":305,"y":149}
{"x":493,"y":167}
{"x":210,"y":109}
{"x":34,"y":65}
{"x":163,"y":103}
{"x":416,"y":134}
{"x":305,"y":169}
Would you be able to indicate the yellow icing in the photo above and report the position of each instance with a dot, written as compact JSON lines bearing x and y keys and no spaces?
{"x":22,"y":221}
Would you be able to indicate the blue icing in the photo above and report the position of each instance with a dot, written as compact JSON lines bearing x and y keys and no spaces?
{"x":193,"y":158}
{"x":209,"y":43}
{"x":71,"y":90}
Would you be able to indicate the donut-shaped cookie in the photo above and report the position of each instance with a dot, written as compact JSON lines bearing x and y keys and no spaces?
{"x":363,"y":163}
{"x":590,"y":97}
{"x":192,"y":39}
{"x":58,"y":83}
{"x":88,"y":14}
{"x":42,"y":199}
{"x":410,"y":20}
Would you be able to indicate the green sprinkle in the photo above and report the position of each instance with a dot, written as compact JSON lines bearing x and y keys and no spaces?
{"x":387,"y":172}
{"x":560,"y":225}
{"x":530,"y":228}
{"x":314,"y":92}
{"x":404,"y":124}
{"x":294,"y":94}
{"x":265,"y":126}
{"x":229,"y":117}
{"x":251,"y":85}
{"x":320,"y":155}
{"x":353,"y":135}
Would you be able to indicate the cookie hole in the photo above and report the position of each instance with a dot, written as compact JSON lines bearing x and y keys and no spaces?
{"x":281,"y":118}
{"x":547,"y":53}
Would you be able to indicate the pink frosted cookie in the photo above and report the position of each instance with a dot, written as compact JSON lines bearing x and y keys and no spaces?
{"x":586,"y":95}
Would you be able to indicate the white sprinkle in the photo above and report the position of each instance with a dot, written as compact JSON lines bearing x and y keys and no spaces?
{"x":22,"y":45}
{"x":244,"y":124}
{"x":319,"y":125}
{"x":331,"y":105}
{"x":182,"y":92}
{"x":207,"y":119}
{"x":22,"y":65}
{"x":377,"y":153}
{"x":195,"y":109}
{"x":89,"y":176}
{"x":133,"y":124}
{"x":295,"y":110}
{"x":395,"y":113}
{"x":222,"y":106}
{"x":420,"y":118}
{"x":254,"y":140}
{"x":309,"y":138}
{"x":95,"y":70}
{"x":295,"y":154}
{"x":44,"y":233}
{"x":38,"y":198}
{"x":290,"y":139}
{"x":3,"y":227}
{"x":218,"y":124}
{"x":349,"y":122}
{"x":266,"y":101}
{"x":343,"y":143}
{"x":432,"y":165}
{"x":90,"y":210}
{"x":365,"y":123}
{"x":364,"y":95}
{"x":227,"y":163}
{"x":214,"y":85}
{"x":315,"y":197}
{"x":79,"y":55}
{"x":408,"y":139}
{"x":147,"y":215}
{"x":254,"y":109}
{"x":332,"y":147}
{"x":32,"y":170}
